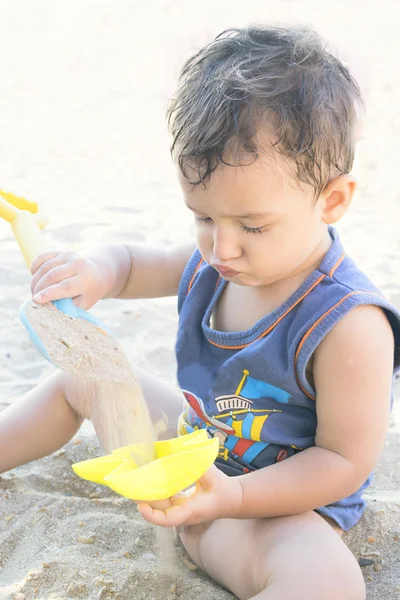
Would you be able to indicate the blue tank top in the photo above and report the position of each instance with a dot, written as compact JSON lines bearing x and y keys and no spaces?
{"x":249,"y":388}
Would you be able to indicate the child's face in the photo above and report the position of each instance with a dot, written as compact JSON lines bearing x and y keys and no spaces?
{"x":253,"y":224}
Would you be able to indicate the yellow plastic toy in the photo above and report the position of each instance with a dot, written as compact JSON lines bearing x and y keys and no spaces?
{"x":179,"y":463}
{"x":26,"y":222}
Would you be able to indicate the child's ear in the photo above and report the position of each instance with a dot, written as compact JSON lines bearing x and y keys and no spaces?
{"x":336,"y":197}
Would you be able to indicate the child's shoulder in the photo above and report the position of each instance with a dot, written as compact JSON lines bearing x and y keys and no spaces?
{"x":369,"y":315}
{"x":343,"y":308}
{"x":339,"y":282}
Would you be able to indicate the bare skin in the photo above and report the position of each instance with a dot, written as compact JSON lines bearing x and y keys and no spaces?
{"x":275,"y":558}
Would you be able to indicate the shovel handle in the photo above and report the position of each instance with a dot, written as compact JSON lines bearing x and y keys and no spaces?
{"x":11,"y":205}
{"x":28,"y":235}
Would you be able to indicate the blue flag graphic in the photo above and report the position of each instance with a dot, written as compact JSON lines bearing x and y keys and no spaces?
{"x":255,"y":388}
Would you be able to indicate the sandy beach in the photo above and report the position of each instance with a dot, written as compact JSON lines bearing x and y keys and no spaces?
{"x":84,"y":88}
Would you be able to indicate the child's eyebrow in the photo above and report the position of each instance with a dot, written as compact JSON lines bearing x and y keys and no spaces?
{"x":263,"y":215}
{"x":254,"y":215}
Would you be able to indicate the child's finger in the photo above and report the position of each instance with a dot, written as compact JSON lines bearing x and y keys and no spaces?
{"x":47,"y":266}
{"x":171,"y":517}
{"x":65,"y":289}
{"x":56,"y":274}
{"x":152,"y":515}
{"x":184,"y":511}
{"x":81,"y":302}
{"x":43,"y":257}
{"x":182,"y":497}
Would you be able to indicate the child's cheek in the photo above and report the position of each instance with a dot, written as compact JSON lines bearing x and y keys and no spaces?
{"x":205,"y":241}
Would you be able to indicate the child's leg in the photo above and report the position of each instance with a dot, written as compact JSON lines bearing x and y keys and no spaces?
{"x":49,"y":415}
{"x":286,"y":558}
{"x":37,"y":424}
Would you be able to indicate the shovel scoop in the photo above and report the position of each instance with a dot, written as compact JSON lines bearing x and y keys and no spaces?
{"x":26,"y":222}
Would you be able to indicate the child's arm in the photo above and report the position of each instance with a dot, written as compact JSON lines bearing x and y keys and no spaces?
{"x":153,"y":272}
{"x":110,"y":271}
{"x":353,"y":370}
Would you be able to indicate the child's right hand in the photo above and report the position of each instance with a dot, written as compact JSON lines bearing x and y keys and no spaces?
{"x":82,"y":277}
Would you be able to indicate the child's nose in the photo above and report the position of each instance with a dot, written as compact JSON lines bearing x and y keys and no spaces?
{"x":225,"y":246}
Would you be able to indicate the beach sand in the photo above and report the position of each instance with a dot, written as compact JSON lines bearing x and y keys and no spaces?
{"x":84,"y":87}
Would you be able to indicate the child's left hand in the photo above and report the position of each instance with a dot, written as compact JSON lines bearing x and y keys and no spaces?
{"x":215,"y":496}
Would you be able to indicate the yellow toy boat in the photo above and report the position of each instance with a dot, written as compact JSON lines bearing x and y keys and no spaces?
{"x":179,"y":463}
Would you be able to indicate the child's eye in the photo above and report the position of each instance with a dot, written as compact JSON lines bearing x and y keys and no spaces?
{"x":252,"y":229}
{"x":203,"y":219}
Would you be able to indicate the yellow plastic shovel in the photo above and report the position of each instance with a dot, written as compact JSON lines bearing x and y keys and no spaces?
{"x":26,"y":222}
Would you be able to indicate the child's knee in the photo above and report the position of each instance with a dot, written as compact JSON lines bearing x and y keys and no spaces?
{"x":329,"y":578}
{"x":288,"y":557}
{"x":312,"y":564}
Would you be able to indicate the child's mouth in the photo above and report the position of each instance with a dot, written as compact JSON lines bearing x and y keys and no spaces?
{"x":228,"y":273}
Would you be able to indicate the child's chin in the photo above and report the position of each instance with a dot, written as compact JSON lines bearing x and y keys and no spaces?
{"x":252,"y":281}
{"x":248,"y":280}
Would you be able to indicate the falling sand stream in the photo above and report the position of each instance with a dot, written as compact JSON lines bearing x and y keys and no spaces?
{"x":108,"y":389}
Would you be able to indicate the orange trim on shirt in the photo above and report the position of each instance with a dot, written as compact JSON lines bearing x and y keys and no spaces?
{"x":271,"y":327}
{"x":194,"y":275}
{"x":335,"y":266}
{"x":317,"y":322}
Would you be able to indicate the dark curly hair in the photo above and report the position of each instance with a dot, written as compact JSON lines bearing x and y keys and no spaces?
{"x":247,"y":77}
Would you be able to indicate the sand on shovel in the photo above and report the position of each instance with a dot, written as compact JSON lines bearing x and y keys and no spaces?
{"x":78,"y":346}
{"x":107,"y":387}
{"x":108,"y":390}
